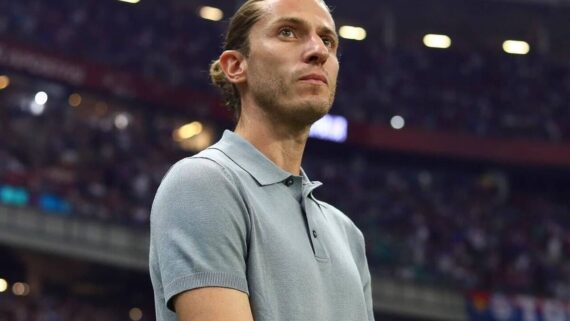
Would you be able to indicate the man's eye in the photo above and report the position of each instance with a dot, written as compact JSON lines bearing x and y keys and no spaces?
{"x":328,"y":42}
{"x":286,"y":32}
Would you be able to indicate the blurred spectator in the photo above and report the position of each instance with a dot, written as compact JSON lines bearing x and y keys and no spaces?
{"x":469,"y":230}
{"x":478,"y":93}
{"x":464,"y":229}
{"x":64,"y":308}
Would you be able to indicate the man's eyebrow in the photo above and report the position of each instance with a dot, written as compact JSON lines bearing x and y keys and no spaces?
{"x":303,"y":22}
{"x":291,"y":20}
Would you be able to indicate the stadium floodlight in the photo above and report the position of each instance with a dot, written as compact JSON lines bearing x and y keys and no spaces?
{"x":188,"y":131}
{"x":130,"y":1}
{"x":3,"y":285}
{"x":516,"y":47}
{"x":397,"y":122}
{"x":211,"y":13}
{"x":122,"y":121}
{"x":74,"y":100}
{"x":4,"y":82}
{"x":20,"y":289}
{"x":41,"y":98}
{"x":437,"y":41}
{"x":352,"y":33}
{"x":194,"y":136}
{"x":37,"y":109}
{"x":135,"y":314}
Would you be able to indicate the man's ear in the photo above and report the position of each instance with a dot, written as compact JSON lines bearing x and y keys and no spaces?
{"x":234,"y":65}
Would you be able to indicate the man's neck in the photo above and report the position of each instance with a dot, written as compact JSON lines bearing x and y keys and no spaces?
{"x":282,"y":144}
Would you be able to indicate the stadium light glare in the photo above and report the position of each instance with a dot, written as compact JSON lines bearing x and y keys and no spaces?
{"x":188,"y":131}
{"x":122,"y":121}
{"x":211,"y":13}
{"x":397,"y":122}
{"x":330,"y":127}
{"x":516,"y":47}
{"x":74,"y":100}
{"x":352,"y":33}
{"x":135,"y":314}
{"x":41,"y":98}
{"x":437,"y":41}
{"x":4,"y":82}
{"x":3,"y":285}
{"x":37,"y":109}
{"x":198,"y":142}
{"x":130,"y":1}
{"x":20,"y":289}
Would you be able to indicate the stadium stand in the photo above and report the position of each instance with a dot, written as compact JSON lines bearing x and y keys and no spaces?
{"x":70,"y":290}
{"x":477,"y":92}
{"x":464,"y":228}
{"x":441,"y":226}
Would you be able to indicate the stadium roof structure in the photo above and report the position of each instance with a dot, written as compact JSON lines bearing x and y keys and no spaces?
{"x":474,"y":25}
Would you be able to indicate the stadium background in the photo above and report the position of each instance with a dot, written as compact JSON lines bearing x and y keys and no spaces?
{"x":454,"y":162}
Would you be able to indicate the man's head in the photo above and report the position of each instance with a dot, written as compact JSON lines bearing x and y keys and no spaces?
{"x":279,"y":55}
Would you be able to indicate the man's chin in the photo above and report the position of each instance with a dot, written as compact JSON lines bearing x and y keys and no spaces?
{"x":312,"y":110}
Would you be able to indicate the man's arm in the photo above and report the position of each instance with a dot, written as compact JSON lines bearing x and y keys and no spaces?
{"x":213,"y":304}
{"x":199,"y":230}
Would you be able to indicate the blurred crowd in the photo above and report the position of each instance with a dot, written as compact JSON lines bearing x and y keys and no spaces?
{"x":62,"y":308}
{"x":155,"y":40}
{"x":479,"y":93}
{"x":465,"y":229}
{"x":483,"y":94}
{"x":83,"y":160}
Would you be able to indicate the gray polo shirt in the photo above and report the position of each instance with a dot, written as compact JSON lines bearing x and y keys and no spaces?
{"x":229,"y":217}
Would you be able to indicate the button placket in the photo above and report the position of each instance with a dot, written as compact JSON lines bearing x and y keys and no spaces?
{"x":315,"y":224}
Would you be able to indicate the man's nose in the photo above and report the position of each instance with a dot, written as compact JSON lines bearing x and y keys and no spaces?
{"x":316,"y":52}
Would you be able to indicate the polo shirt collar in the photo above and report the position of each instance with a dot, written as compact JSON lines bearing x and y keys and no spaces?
{"x":246,"y":156}
{"x":308,"y":185}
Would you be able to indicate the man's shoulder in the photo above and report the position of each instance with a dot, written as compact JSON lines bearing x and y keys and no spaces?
{"x":195,"y":167}
{"x":192,"y":181}
{"x":200,"y":174}
{"x":204,"y":164}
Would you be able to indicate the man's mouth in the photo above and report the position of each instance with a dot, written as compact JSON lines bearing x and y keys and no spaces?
{"x":315,"y":78}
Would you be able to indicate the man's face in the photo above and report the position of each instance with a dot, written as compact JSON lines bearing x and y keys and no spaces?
{"x":292,"y":66}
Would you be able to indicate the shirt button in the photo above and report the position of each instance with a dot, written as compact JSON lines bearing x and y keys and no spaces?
{"x":289,"y":181}
{"x":314,"y":234}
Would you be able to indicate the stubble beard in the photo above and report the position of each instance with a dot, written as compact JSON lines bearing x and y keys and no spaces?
{"x":279,"y":101}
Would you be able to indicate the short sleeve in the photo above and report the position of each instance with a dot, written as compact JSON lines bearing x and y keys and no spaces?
{"x":199,"y":229}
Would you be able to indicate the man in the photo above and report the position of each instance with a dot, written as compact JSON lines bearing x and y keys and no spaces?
{"x":236,"y":233}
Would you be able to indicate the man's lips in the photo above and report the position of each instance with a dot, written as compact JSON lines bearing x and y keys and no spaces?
{"x":315,"y":77}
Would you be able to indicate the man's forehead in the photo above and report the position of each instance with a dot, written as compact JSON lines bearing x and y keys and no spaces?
{"x":311,"y":10}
